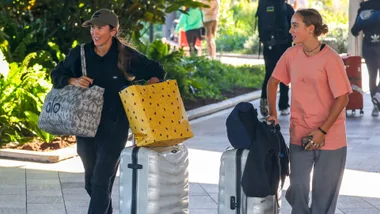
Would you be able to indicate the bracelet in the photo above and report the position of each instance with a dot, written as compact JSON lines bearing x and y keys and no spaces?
{"x":321,"y":130}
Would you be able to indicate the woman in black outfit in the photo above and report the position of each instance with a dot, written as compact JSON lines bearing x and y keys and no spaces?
{"x":110,"y":64}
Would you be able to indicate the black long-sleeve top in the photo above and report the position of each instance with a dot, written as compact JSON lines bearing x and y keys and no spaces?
{"x":104,"y":71}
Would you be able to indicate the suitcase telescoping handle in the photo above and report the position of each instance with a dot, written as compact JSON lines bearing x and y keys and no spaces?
{"x":134,"y":140}
{"x":235,"y":201}
{"x":131,"y":138}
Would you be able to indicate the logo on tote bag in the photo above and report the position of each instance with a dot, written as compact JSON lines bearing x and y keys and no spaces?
{"x":53,"y":106}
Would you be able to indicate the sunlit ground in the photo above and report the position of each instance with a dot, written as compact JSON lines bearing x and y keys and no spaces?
{"x":204,"y":168}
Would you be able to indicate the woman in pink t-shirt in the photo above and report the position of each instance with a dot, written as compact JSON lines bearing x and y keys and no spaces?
{"x":319,"y":94}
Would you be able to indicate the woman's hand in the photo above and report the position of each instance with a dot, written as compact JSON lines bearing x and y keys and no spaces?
{"x":153,"y":80}
{"x":273,"y":118}
{"x":83,"y":82}
{"x":317,"y":142}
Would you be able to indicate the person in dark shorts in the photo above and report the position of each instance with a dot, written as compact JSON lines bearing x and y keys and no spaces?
{"x":192,"y":25}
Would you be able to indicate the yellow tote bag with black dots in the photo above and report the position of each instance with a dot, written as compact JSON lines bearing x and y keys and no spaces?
{"x":156,"y":114}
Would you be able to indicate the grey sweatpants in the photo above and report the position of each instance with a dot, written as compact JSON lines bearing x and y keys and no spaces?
{"x":327,"y":177}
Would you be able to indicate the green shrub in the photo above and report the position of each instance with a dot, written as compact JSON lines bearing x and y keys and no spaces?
{"x":230,"y":42}
{"x":199,"y":77}
{"x":236,"y":24}
{"x":251,"y":45}
{"x":23,"y":88}
{"x":212,"y":78}
{"x":335,"y":15}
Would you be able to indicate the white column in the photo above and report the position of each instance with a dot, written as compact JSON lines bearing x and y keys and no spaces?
{"x":354,"y":44}
{"x":168,"y":24}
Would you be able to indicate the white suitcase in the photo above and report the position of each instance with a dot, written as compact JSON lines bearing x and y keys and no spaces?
{"x":232,"y":199}
{"x":154,"y":180}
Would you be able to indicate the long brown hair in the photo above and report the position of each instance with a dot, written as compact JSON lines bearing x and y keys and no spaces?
{"x":313,"y":17}
{"x":123,"y":57}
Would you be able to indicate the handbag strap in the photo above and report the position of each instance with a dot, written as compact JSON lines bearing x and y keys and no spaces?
{"x":83,"y":60}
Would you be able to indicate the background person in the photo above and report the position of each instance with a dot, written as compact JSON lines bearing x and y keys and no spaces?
{"x":371,"y":46}
{"x":191,"y":24}
{"x":210,"y":23}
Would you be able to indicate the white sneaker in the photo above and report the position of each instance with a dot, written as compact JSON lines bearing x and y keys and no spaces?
{"x":376,"y":100}
{"x":285,"y":112}
{"x":375,"y":111}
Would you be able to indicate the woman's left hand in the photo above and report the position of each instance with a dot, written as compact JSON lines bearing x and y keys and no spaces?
{"x":153,"y":80}
{"x":318,"y":140}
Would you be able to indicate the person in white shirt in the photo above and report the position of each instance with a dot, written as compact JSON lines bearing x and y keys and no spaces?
{"x":210,"y":21}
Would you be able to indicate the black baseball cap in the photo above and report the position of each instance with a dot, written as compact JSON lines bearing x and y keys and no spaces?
{"x":102,"y":17}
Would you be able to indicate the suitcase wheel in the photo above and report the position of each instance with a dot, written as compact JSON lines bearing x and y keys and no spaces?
{"x":353,"y":112}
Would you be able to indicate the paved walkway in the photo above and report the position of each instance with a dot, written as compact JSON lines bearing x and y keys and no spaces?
{"x":36,"y":188}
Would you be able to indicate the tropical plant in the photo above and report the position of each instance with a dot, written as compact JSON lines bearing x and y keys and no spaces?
{"x":175,"y":67}
{"x":23,"y":88}
{"x":29,"y":25}
{"x":335,"y":15}
{"x":236,"y":25}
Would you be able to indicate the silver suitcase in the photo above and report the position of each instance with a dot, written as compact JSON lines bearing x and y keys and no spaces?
{"x":232,"y":199}
{"x":154,"y":180}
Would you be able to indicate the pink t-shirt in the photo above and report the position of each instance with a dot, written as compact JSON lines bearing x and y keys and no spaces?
{"x":316,"y":82}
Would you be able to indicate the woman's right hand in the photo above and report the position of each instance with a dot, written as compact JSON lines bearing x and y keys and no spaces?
{"x":272,"y":118}
{"x":83,"y":82}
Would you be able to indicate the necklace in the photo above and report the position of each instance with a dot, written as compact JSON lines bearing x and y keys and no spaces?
{"x":319,"y":44}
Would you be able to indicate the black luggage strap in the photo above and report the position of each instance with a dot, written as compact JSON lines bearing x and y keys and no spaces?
{"x":134,"y":166}
{"x":235,"y":202}
{"x":277,"y":132}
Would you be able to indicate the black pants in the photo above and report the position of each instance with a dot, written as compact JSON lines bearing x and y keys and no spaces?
{"x":100,"y":160}
{"x":271,"y":57}
{"x":191,"y":37}
{"x":371,"y":55}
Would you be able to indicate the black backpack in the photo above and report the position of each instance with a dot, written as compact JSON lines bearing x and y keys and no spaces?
{"x":268,"y":159}
{"x":240,"y":125}
{"x":273,"y":23}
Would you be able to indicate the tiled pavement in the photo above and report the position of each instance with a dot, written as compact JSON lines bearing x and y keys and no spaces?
{"x":36,"y":188}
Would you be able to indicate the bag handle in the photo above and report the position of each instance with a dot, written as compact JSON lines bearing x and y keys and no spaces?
{"x":83,"y":60}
